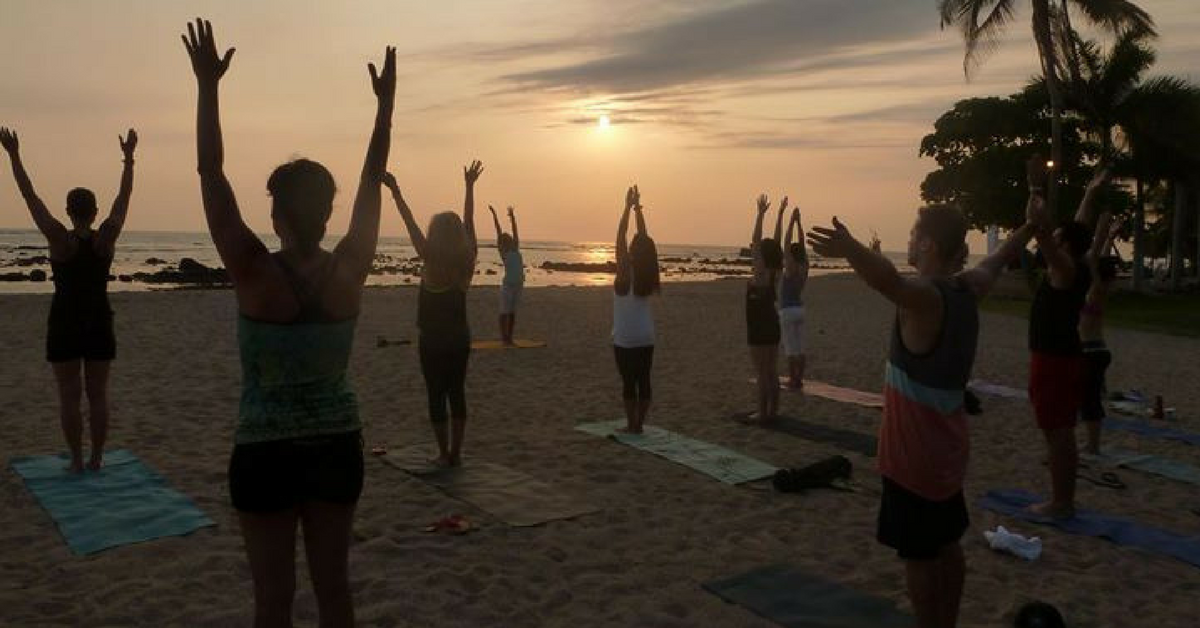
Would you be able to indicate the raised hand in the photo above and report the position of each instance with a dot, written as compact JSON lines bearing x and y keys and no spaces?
{"x":510,"y":211}
{"x":493,"y":210}
{"x":471,"y":173}
{"x":389,"y":181}
{"x":8,"y":139}
{"x":128,"y":144}
{"x":202,"y":49}
{"x":783,"y":204}
{"x":384,"y":83}
{"x":764,"y":204}
{"x":633,"y":198}
{"x":796,"y":214}
{"x":835,"y":242}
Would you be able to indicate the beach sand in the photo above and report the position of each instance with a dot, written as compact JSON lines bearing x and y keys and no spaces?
{"x":661,"y":529}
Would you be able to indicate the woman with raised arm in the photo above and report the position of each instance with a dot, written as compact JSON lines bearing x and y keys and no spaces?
{"x":514,"y":274}
{"x":1096,"y":356}
{"x":762,"y":319}
{"x":448,"y":251}
{"x":297,"y":458}
{"x":79,"y":337}
{"x":633,"y":320}
{"x":791,"y":301}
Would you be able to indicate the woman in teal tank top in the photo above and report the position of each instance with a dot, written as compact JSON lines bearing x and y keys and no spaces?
{"x":297,"y":455}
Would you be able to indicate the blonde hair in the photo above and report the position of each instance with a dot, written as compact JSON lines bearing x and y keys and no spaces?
{"x":448,"y":255}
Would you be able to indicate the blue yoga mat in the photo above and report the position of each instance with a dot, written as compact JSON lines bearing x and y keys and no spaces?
{"x":1147,"y":463}
{"x":795,"y":598}
{"x":1089,"y":523}
{"x":712,"y":460}
{"x":125,"y":502}
{"x":1143,"y":428}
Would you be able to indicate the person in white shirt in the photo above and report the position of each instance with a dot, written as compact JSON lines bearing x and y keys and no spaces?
{"x":633,"y":320}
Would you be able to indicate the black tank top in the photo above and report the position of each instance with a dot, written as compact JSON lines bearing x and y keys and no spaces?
{"x":81,"y":283}
{"x":442,"y":315}
{"x":1054,"y":316}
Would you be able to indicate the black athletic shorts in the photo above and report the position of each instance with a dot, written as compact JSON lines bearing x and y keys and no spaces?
{"x":918,"y":528}
{"x":1096,"y":360}
{"x":278,"y":475}
{"x":70,"y":338}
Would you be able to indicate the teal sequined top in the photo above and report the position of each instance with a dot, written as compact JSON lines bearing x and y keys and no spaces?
{"x":294,"y":382}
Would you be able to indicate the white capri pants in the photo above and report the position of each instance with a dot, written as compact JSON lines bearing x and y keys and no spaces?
{"x":791,"y":323}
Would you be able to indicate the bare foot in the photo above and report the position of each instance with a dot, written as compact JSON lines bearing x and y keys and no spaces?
{"x":1053,"y":510}
{"x":442,"y":461}
{"x":76,"y":466}
{"x":629,"y":429}
{"x":95,"y":464}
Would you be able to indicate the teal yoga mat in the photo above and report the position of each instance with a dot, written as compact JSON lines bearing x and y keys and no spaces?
{"x":1147,"y":463}
{"x":125,"y":502}
{"x":715,"y":461}
{"x":794,"y":598}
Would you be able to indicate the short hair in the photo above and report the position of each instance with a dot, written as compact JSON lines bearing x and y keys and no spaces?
{"x":302,"y":194}
{"x":1077,"y":236}
{"x":772,"y":254}
{"x":947,"y":227}
{"x":505,"y":243}
{"x":81,"y":205}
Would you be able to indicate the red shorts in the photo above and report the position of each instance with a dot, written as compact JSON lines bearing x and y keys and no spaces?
{"x":1055,"y":389}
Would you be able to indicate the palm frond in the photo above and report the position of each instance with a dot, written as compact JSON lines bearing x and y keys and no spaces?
{"x":980,"y":35}
{"x":1118,"y":16}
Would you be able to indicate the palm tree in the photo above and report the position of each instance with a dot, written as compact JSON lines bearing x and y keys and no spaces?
{"x":982,"y":21}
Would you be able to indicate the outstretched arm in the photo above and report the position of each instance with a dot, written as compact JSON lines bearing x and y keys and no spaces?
{"x":496,"y":223}
{"x":470,"y":176}
{"x":414,"y":230}
{"x":876,"y":270}
{"x":110,"y":229}
{"x":632,"y":200}
{"x":356,"y":251}
{"x":1102,"y":240}
{"x":1060,"y":266}
{"x":793,"y":222}
{"x":779,"y":220}
{"x":240,"y":250}
{"x":512,"y":218}
{"x":981,"y":278}
{"x":764,"y":204}
{"x":1094,"y":188}
{"x":55,"y":232}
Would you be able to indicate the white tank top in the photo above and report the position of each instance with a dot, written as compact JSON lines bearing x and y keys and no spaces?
{"x":633,"y":321}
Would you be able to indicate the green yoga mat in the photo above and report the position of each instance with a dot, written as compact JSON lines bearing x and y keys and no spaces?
{"x":794,"y":598}
{"x":1147,"y":463}
{"x":511,"y":496}
{"x":124,"y":502}
{"x":715,"y":461}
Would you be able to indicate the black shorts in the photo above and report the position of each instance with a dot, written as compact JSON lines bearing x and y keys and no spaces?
{"x":918,"y":528}
{"x":1096,"y":360}
{"x":762,"y":323}
{"x":278,"y":475}
{"x":69,"y":338}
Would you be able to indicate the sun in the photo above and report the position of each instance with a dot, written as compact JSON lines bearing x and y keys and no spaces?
{"x":603,"y":122}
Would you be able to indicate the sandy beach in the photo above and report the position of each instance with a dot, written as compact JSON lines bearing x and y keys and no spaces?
{"x":661,"y":529}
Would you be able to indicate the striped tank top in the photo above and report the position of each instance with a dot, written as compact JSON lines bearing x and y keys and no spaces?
{"x":923,"y":442}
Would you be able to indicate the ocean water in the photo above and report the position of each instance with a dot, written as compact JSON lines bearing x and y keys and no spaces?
{"x":680,"y":262}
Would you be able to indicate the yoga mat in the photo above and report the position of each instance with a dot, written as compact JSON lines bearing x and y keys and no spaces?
{"x":795,"y":598}
{"x":849,"y":440}
{"x":518,"y":343}
{"x":1145,"y":428}
{"x":1147,"y":463}
{"x":844,"y":395}
{"x":715,"y":461}
{"x":511,"y":496}
{"x":997,"y":390}
{"x":124,"y":502}
{"x":1089,"y":523}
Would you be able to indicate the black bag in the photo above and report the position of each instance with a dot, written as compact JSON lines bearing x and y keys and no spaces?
{"x":820,"y":474}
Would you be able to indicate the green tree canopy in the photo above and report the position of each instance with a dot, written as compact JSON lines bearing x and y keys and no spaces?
{"x":981,"y":146}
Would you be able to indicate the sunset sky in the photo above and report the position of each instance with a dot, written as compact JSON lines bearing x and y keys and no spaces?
{"x":710,"y":103}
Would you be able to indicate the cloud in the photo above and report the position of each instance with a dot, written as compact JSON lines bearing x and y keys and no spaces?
{"x":751,"y":40}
